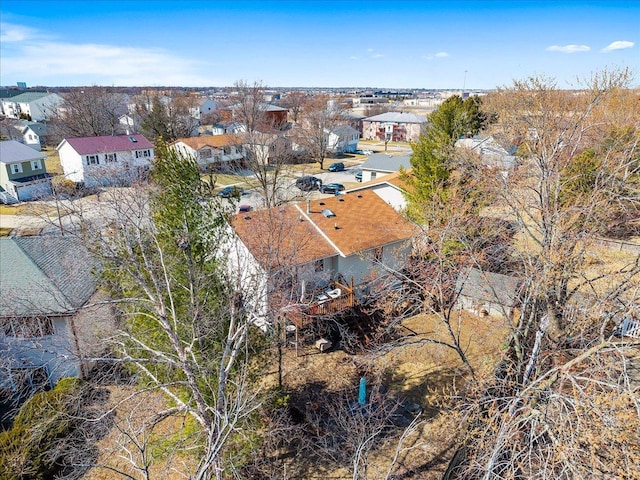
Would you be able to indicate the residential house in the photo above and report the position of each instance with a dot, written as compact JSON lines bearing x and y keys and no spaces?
{"x":273,"y":117}
{"x":203,"y":106}
{"x":35,"y":106}
{"x":23,"y":173}
{"x":50,"y":312}
{"x":304,"y":246}
{"x":106,"y":160}
{"x":381,"y":164}
{"x":394,"y":126}
{"x":343,"y":139}
{"x":212,"y":151}
{"x":487,"y":293}
{"x":34,"y":135}
{"x":391,"y":188}
{"x":491,"y":153}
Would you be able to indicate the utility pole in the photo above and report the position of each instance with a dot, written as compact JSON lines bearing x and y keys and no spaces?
{"x":464,"y":83}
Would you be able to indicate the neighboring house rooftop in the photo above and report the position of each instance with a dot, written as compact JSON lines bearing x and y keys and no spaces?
{"x":395,"y":179}
{"x":44,"y":275}
{"x":213,"y":141}
{"x":398,"y":117}
{"x":382,"y":162}
{"x":28,"y":97}
{"x":39,"y":129}
{"x":344,"y":130}
{"x":488,"y":286}
{"x":341,"y":225}
{"x":12,"y":151}
{"x":108,"y":143}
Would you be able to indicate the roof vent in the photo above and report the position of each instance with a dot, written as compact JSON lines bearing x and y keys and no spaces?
{"x":247,"y":217}
{"x":359,"y":195}
{"x":133,"y":139}
{"x":321,"y":203}
{"x":341,"y":199}
{"x":328,"y":213}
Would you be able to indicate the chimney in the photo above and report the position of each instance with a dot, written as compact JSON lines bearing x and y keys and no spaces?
{"x":308,"y":207}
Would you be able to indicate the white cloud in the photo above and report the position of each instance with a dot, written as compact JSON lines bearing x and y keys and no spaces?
{"x":618,"y":45}
{"x":568,"y":48}
{"x":41,"y":61}
{"x":432,"y":56}
{"x":377,"y":55}
{"x":14,"y":33}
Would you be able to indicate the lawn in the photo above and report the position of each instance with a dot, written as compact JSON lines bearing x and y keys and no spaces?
{"x":52,"y":161}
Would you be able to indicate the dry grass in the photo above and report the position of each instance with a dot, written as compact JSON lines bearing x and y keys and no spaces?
{"x":132,"y":412}
{"x":52,"y":161}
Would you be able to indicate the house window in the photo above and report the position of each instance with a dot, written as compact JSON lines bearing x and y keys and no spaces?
{"x":226,"y":150}
{"x":143,"y":153}
{"x":318,"y":266}
{"x":92,"y":160}
{"x":36,"y":164}
{"x":110,"y":157}
{"x":205,"y":154}
{"x":374,"y":175}
{"x":377,"y":254}
{"x":28,"y":327}
{"x":16,"y":168}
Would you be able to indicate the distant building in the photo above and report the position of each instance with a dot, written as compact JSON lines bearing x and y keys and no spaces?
{"x":394,"y":126}
{"x":35,"y":105}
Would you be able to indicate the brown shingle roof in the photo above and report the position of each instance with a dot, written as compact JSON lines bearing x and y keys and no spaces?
{"x":290,"y":234}
{"x":214,"y":141}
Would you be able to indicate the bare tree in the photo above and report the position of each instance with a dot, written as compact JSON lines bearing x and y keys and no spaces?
{"x":87,"y":112}
{"x":268,"y":151}
{"x":320,"y":116}
{"x":528,"y":420}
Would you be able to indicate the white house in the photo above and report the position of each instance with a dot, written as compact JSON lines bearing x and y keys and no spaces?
{"x":304,"y":246}
{"x":203,"y":106}
{"x":490,"y":152}
{"x":390,"y":188}
{"x":106,"y":160}
{"x":37,"y":105}
{"x":212,"y":151}
{"x":343,"y":139}
{"x":381,"y":164}
{"x":48,"y":326}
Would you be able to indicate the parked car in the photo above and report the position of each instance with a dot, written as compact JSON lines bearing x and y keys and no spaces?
{"x":308,"y":183}
{"x":244,"y":208}
{"x":359,"y":176}
{"x":231,"y":191}
{"x":336,"y":167}
{"x":332,"y":188}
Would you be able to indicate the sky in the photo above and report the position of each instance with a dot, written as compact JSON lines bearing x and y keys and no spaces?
{"x":332,"y":43}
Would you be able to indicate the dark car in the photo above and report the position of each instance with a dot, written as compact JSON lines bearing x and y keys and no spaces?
{"x":244,"y":208}
{"x":359,"y":176}
{"x":308,"y":183}
{"x":332,"y":188}
{"x":231,"y":191}
{"x":336,"y":167}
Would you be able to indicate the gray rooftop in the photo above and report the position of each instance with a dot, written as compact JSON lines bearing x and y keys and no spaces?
{"x":381,"y":162}
{"x":488,"y":286}
{"x":12,"y":151}
{"x":28,"y":97}
{"x":398,"y":117}
{"x":44,"y":276}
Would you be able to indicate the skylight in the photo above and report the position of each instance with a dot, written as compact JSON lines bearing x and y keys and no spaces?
{"x":328,"y":213}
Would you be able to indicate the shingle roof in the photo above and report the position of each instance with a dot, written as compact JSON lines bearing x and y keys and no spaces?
{"x":44,"y":276}
{"x":12,"y":151}
{"x":398,"y":117}
{"x":214,"y":141}
{"x":363,"y":220}
{"x":488,"y":286}
{"x":381,"y":162}
{"x":394,"y":179}
{"x":28,"y":97}
{"x":39,"y":129}
{"x":108,"y":143}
